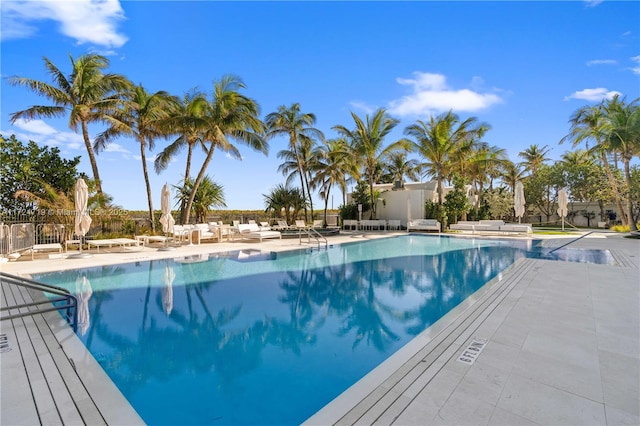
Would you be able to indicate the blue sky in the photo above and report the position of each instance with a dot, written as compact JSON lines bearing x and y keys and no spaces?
{"x":521,"y":67}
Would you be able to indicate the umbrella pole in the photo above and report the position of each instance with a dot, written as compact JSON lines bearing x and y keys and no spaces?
{"x":80,"y":255}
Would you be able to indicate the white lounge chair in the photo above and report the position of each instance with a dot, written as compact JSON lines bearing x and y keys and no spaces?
{"x":300,"y":224}
{"x":281,"y":226}
{"x":252,"y":231}
{"x":423,"y":225}
{"x":121,"y":242}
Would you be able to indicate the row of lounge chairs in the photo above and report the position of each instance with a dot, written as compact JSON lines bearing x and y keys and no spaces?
{"x":491,"y":226}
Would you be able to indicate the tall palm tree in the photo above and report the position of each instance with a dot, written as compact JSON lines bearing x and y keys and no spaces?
{"x":511,"y":173}
{"x":366,"y":141}
{"x":534,"y":157}
{"x":230,"y":116}
{"x":624,"y":138}
{"x":589,"y":123}
{"x":304,"y":159}
{"x":298,"y":126}
{"x":332,"y":168}
{"x":85,"y":95}
{"x":188,"y":121}
{"x":438,"y":141}
{"x":139,"y":116}
{"x":484,"y":164}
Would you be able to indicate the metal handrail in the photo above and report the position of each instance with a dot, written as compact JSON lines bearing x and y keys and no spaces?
{"x":315,"y":234}
{"x":67,"y":302}
{"x":570,"y":242}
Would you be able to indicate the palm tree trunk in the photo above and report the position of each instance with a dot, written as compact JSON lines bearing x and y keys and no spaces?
{"x":373,"y":203}
{"x":614,"y":186}
{"x":92,"y":159}
{"x":187,"y":171}
{"x":145,"y":172}
{"x":293,"y":142}
{"x":326,"y":205}
{"x":306,"y":182}
{"x":194,"y":188}
{"x":627,"y":177}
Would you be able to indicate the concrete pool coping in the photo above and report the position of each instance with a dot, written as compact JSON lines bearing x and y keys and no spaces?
{"x":359,"y":397}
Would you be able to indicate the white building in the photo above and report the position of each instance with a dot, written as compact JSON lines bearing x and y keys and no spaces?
{"x":407,"y":202}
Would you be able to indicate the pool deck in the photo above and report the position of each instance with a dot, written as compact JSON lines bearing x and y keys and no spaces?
{"x":560,"y":344}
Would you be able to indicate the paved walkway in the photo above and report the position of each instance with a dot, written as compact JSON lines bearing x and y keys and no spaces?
{"x":560,"y":345}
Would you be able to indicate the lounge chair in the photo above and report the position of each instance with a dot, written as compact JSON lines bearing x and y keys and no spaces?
{"x":300,"y":224}
{"x":45,"y":247}
{"x":121,"y":242}
{"x":423,"y":225}
{"x":281,"y":226}
{"x":252,"y":231}
{"x":318,"y":223}
{"x":264,"y":226}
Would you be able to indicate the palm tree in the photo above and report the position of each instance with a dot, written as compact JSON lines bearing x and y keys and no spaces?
{"x":438,"y":141}
{"x":624,"y":138}
{"x":209,"y":194}
{"x":298,"y":126}
{"x":511,"y":173}
{"x":577,"y":157}
{"x":85,"y":95}
{"x":484,"y":164}
{"x":366,"y":141}
{"x":230,"y":115}
{"x":534,"y":157}
{"x":138,"y":116}
{"x":283,"y":197}
{"x":305,"y":160}
{"x":188,"y":121}
{"x":332,"y":167}
{"x":590,"y":123}
{"x":396,"y":166}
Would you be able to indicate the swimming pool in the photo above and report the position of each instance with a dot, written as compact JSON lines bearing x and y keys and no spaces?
{"x":248,"y":337}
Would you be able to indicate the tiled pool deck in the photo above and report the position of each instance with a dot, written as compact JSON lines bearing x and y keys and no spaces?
{"x":562,"y":347}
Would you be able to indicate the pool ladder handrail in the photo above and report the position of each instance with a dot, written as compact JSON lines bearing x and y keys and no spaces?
{"x":315,"y":234}
{"x":572,"y":241}
{"x":69,"y":302}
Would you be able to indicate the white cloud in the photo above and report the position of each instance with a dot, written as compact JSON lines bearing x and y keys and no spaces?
{"x":636,"y":69}
{"x":593,"y":95}
{"x":87,"y":21}
{"x":114,"y":147}
{"x":363,"y":106}
{"x":44,"y":134}
{"x":602,"y":62}
{"x":35,"y":126}
{"x":431,"y":94}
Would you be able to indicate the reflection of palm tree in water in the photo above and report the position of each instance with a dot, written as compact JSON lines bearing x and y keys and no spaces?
{"x":366,"y":310}
{"x":451,"y":284}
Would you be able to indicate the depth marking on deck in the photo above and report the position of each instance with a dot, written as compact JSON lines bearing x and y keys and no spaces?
{"x":4,"y":343}
{"x":471,"y":352}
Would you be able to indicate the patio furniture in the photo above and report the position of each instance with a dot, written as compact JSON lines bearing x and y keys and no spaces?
{"x":423,"y":225}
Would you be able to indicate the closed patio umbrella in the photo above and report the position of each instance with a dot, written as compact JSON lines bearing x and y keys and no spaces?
{"x":82,"y":218}
{"x":166,"y":219}
{"x":519,"y":201}
{"x":563,"y":201}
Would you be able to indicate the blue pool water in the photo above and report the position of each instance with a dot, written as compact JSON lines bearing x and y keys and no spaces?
{"x":248,"y":337}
